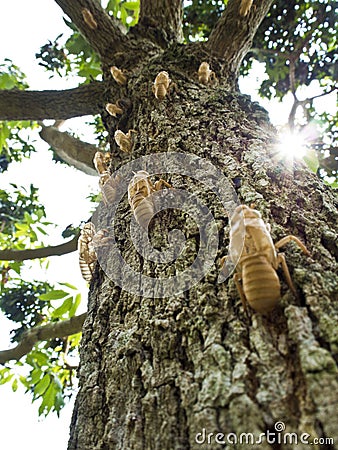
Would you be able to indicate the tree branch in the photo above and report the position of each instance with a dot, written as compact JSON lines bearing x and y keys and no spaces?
{"x":43,"y":333}
{"x":232,"y":36}
{"x":40,"y":105}
{"x":303,"y":103}
{"x":71,"y":150}
{"x":161,"y":21}
{"x":43,"y":252}
{"x":106,"y":37}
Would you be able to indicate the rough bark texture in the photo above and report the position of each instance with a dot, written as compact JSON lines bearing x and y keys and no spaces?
{"x":43,"y":252}
{"x":106,"y":37}
{"x":70,"y":149}
{"x":232,"y":36}
{"x":40,"y":105}
{"x":164,"y":18}
{"x":155,"y":372}
{"x":43,"y":333}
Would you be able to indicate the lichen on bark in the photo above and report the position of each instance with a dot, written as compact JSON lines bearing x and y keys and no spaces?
{"x":157,"y":371}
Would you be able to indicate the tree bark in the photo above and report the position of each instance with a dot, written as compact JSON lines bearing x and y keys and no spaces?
{"x":77,"y":153}
{"x":43,"y":333}
{"x":105,"y":36}
{"x":164,"y":18}
{"x":232,"y":36}
{"x":41,"y":105}
{"x":43,"y":252}
{"x":155,"y":372}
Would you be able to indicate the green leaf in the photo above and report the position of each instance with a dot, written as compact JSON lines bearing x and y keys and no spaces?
{"x":70,"y":286}
{"x":70,"y":24}
{"x":42,"y":231}
{"x":59,"y":402}
{"x":63,"y":309}
{"x":28,"y":218}
{"x":6,"y":81}
{"x":48,"y":399}
{"x":40,"y":213}
{"x":15,"y":385}
{"x":311,"y":160}
{"x":42,"y":385}
{"x":35,"y":375}
{"x":16,"y":266}
{"x":22,"y":227}
{"x":133,"y":6}
{"x":75,"y":339}
{"x":24,"y":381}
{"x":54,"y":295}
{"x":75,"y":305}
{"x":33,"y":236}
{"x":5,"y":376}
{"x":39,"y":357}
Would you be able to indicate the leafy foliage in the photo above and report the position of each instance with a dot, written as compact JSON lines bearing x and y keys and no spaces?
{"x":76,"y":55}
{"x":50,"y":377}
{"x":17,"y":209}
{"x":200,"y":17}
{"x":125,"y":10}
{"x":14,"y":145}
{"x":52,"y":56}
{"x":11,"y":76}
{"x":298,"y":38}
{"x":51,"y":374}
{"x":50,"y":382}
{"x":20,"y":303}
{"x":297,"y":44}
{"x":21,"y":217}
{"x":327,"y":149}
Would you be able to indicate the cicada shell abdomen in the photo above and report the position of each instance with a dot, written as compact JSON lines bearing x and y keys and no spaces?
{"x":143,"y":211}
{"x":161,"y":85}
{"x":260,"y":282}
{"x":87,"y":254}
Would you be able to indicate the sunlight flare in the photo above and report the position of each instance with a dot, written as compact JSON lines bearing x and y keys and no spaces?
{"x":292,"y":145}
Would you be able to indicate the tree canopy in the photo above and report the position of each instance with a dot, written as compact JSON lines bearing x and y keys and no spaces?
{"x":296,"y":42}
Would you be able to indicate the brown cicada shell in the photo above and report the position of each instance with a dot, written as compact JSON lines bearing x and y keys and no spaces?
{"x":139,"y":191}
{"x":118,"y":75}
{"x":124,"y":141}
{"x":256,"y":278}
{"x":205,"y":75}
{"x":89,"y":18}
{"x":87,"y":255}
{"x":161,"y":85}
{"x":245,"y":7}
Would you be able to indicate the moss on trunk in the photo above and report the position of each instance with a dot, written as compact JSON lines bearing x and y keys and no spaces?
{"x":157,"y":371}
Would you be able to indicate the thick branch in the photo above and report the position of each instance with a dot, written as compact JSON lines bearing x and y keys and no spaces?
{"x":40,"y":105}
{"x":232,"y":36}
{"x":43,"y":252}
{"x":71,"y":150}
{"x":161,"y":20}
{"x":105,"y":38}
{"x":43,"y":333}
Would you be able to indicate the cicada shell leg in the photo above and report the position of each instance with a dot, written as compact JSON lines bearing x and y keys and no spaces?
{"x":282,"y":261}
{"x":285,"y":240}
{"x":241,"y":293}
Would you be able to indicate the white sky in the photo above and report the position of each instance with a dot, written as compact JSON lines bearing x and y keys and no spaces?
{"x":25,"y":27}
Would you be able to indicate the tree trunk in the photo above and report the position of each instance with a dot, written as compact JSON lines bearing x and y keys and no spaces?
{"x":157,"y":371}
